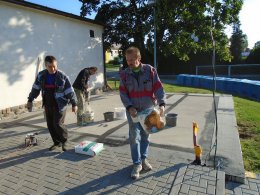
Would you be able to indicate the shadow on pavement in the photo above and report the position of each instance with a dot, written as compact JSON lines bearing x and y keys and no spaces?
{"x":98,"y":123}
{"x":22,"y":158}
{"x":70,"y":155}
{"x":17,"y":143}
{"x":119,"y":179}
{"x":15,"y":122}
{"x":36,"y":121}
{"x":4,"y":135}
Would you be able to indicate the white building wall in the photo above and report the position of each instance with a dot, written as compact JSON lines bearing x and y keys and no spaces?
{"x":27,"y":35}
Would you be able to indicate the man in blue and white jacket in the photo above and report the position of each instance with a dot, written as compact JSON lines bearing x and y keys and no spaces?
{"x":57,"y":92}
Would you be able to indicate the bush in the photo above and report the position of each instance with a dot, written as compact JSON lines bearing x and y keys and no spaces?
{"x":254,"y":56}
{"x":115,"y":61}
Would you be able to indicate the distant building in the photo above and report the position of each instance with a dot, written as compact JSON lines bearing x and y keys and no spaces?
{"x":257,"y":44}
{"x":246,"y":52}
{"x":113,"y":52}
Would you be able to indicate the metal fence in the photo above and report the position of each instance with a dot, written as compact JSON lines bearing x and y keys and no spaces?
{"x":249,"y":71}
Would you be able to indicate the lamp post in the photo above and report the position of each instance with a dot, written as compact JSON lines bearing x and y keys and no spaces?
{"x":153,"y":2}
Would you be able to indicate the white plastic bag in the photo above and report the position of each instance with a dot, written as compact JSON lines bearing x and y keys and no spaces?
{"x":141,"y":116}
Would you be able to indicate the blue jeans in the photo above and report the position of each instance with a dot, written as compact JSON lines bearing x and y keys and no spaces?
{"x":139,"y":141}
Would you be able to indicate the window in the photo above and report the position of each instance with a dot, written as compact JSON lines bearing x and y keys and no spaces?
{"x":91,"y":33}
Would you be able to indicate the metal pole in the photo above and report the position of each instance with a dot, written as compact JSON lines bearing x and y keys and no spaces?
{"x":154,"y":18}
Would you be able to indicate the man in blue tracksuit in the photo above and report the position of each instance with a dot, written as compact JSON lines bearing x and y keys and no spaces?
{"x":140,"y":89}
{"x":57,"y":92}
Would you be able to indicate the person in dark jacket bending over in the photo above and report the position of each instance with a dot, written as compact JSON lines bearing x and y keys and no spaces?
{"x":81,"y":88}
{"x":140,"y":89}
{"x":57,"y":92}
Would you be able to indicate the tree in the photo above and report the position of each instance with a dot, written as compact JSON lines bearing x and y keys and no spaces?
{"x":131,"y":23}
{"x":124,"y":24}
{"x":257,"y":44}
{"x":239,"y":43}
{"x":88,"y":6}
{"x":254,"y":56}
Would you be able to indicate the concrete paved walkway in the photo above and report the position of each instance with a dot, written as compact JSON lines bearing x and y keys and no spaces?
{"x":35,"y":170}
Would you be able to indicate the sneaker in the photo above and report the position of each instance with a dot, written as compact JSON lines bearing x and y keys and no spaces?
{"x":136,"y":171}
{"x":64,"y":146}
{"x":54,"y":146}
{"x":146,"y":165}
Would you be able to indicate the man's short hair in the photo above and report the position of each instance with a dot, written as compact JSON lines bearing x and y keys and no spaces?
{"x":93,"y":68}
{"x":49,"y":59}
{"x":133,"y":50}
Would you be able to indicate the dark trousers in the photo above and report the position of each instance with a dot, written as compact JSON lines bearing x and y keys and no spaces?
{"x":55,"y":123}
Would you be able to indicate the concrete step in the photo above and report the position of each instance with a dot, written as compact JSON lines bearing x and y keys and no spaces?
{"x":229,"y":154}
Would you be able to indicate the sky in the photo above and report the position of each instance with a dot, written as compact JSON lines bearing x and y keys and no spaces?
{"x":248,"y":16}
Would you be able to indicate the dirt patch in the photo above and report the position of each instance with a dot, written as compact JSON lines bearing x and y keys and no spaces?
{"x":245,"y":131}
{"x":245,"y":135}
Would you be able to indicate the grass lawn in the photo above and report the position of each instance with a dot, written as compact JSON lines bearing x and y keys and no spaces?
{"x":248,"y":121}
{"x":112,"y":67}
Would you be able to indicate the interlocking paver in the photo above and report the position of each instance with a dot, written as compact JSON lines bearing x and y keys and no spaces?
{"x":203,"y":183}
{"x":194,"y":182}
{"x":144,"y":190}
{"x":253,"y":186}
{"x":198,"y":189}
{"x":211,"y":189}
{"x":250,"y":187}
{"x":132,"y":190}
{"x":35,"y":170}
{"x":26,"y":190}
{"x":185,"y":188}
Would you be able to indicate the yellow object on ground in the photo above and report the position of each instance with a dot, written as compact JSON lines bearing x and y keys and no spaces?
{"x":198,"y":151}
{"x":195,"y":128}
{"x":250,"y":174}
